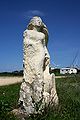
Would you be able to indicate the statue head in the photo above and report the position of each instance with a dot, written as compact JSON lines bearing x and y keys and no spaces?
{"x":35,"y":22}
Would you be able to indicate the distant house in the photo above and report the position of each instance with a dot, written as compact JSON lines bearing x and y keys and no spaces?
{"x":68,"y":70}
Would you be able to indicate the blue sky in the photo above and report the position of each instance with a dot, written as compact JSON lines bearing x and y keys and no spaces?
{"x":62,"y":18}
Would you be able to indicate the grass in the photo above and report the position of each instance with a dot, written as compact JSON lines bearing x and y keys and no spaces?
{"x":68,"y":90}
{"x":8,"y":101}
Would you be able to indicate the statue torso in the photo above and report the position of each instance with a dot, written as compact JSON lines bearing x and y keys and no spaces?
{"x":33,"y":36}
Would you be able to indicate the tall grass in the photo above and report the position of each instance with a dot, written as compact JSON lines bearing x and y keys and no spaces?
{"x":68,"y":90}
{"x":69,"y":96}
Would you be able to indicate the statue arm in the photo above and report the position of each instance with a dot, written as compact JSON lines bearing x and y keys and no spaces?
{"x":47,"y":53}
{"x":47,"y":57}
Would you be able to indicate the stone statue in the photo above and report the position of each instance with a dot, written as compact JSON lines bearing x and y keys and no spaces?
{"x":38,"y":86}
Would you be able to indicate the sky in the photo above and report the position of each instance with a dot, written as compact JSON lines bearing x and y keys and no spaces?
{"x":62,"y":18}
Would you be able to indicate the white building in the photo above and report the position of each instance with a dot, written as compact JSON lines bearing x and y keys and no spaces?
{"x":68,"y":70}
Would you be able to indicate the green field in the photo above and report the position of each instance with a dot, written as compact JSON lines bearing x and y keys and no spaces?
{"x":68,"y":90}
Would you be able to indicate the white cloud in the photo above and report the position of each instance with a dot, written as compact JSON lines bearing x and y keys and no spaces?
{"x":36,"y":12}
{"x":29,"y":14}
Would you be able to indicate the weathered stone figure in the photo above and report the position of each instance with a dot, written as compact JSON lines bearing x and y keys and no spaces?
{"x":38,"y":86}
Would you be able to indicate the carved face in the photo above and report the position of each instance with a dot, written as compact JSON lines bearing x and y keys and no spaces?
{"x":36,"y":21}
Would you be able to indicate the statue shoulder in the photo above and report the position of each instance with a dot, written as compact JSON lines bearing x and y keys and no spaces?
{"x":27,"y":32}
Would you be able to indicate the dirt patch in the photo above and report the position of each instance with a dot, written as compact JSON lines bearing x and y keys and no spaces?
{"x":13,"y":80}
{"x":10,"y":80}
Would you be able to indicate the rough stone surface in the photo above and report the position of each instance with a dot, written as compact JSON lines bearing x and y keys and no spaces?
{"x":38,"y":86}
